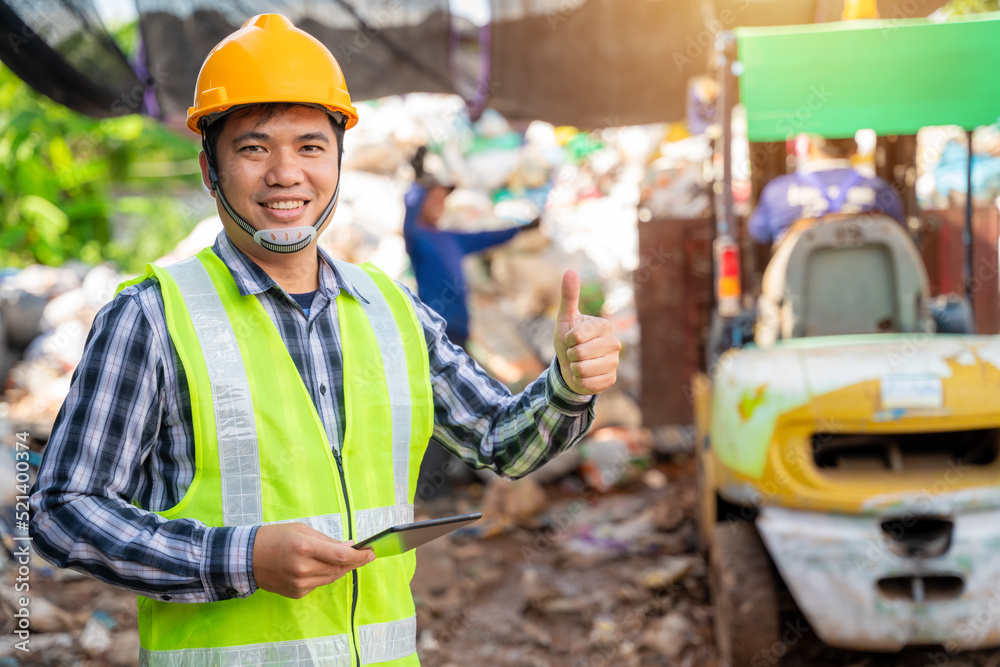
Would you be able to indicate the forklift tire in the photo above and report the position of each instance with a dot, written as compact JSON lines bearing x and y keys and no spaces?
{"x":744,"y":593}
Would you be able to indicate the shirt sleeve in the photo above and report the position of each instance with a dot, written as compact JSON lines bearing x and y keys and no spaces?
{"x":759,"y":226}
{"x":83,"y":516}
{"x":477,"y":417}
{"x":476,"y":241}
{"x":412,"y":200}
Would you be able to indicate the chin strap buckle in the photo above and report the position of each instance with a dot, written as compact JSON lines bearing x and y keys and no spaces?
{"x":285,"y":236}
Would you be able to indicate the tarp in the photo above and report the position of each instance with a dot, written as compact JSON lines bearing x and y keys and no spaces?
{"x":385,"y":47}
{"x":893,"y":76}
{"x":589,"y":63}
{"x":65,"y":52}
{"x":597,"y":63}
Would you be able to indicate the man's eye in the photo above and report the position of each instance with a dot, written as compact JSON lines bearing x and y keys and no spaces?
{"x":312,"y":149}
{"x":252,"y":149}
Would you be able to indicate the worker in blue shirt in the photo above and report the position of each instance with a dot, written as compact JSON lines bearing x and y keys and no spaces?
{"x":828,"y":183}
{"x":436,"y":254}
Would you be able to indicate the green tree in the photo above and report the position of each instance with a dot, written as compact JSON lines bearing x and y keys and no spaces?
{"x":972,"y":6}
{"x":68,"y":182}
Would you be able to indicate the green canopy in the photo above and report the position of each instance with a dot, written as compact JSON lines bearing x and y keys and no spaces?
{"x":894,"y":76}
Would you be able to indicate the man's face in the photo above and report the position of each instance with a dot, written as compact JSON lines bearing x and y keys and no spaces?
{"x":278,"y":173}
{"x":434,"y":205}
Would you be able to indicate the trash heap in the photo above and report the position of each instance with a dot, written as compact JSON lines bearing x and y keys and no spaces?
{"x":46,"y":314}
{"x":560,"y":575}
{"x":942,"y":165}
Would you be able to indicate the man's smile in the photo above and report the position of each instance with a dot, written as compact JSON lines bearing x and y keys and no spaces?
{"x":284,"y":205}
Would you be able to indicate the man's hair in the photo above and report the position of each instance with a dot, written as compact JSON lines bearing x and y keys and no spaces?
{"x":835,"y":148}
{"x":265,"y":112}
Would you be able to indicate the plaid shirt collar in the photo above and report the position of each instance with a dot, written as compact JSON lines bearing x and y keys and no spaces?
{"x":251,"y":279}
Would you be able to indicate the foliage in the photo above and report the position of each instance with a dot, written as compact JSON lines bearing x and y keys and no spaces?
{"x":68,"y":182}
{"x":972,"y":6}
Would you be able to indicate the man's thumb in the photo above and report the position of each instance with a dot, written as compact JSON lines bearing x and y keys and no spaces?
{"x":570,"y":301}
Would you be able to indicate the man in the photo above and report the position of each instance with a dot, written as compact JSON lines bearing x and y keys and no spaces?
{"x":239,"y":419}
{"x":826,"y":184}
{"x":436,"y":254}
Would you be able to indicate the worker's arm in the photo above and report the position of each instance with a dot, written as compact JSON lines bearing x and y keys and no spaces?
{"x":475,"y":241}
{"x":477,"y":418}
{"x":759,"y":224}
{"x":412,"y":200}
{"x":115,"y":418}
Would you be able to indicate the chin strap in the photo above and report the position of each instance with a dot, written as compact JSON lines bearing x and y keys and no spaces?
{"x":283,"y":240}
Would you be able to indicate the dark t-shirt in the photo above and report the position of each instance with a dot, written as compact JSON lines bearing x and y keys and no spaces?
{"x":304,"y":300}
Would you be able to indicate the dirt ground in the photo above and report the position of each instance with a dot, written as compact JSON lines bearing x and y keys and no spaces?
{"x":591,"y":580}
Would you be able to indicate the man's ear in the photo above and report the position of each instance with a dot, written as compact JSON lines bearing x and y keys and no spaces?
{"x":203,"y":161}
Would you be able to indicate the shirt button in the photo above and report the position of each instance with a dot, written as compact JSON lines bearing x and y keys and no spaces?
{"x":231,"y":592}
{"x":165,"y":598}
{"x":322,"y":389}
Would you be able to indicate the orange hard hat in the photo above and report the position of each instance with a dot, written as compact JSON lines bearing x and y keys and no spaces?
{"x":270,"y":60}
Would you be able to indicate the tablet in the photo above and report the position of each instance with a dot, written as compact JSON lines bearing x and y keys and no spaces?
{"x":400,"y":539}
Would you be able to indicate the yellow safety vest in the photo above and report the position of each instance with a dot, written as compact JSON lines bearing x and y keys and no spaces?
{"x":262,"y":457}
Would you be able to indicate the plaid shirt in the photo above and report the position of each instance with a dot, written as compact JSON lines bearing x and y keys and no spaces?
{"x":123,"y":443}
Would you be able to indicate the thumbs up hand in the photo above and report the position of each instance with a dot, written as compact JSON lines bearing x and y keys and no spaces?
{"x":586,"y":346}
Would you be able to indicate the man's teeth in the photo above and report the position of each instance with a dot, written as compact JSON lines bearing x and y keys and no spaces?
{"x":283,"y":205}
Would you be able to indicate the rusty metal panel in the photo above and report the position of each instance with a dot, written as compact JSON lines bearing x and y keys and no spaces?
{"x":673,"y":294}
{"x":944,"y":255}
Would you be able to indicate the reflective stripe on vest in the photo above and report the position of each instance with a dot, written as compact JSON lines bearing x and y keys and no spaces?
{"x":234,"y":420}
{"x":366,"y":522}
{"x":391,"y":346}
{"x":252,"y":415}
{"x":381,"y":642}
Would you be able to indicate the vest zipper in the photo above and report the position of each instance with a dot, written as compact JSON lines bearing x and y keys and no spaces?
{"x":350,"y":536}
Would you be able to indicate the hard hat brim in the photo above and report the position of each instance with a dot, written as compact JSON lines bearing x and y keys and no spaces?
{"x":214,"y":112}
